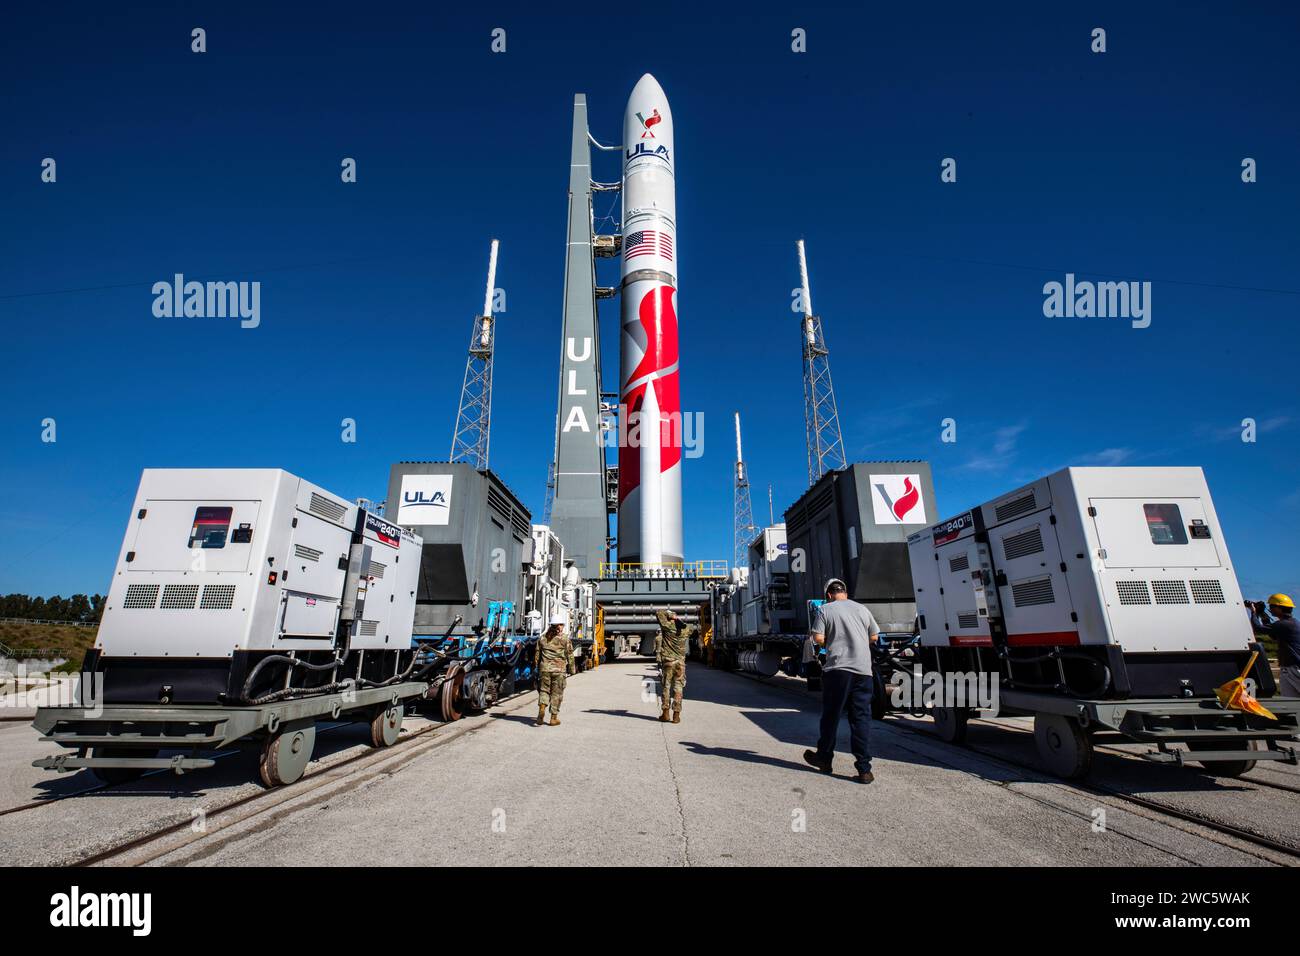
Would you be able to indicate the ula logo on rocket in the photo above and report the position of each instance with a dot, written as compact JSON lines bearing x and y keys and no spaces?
{"x":640,"y":150}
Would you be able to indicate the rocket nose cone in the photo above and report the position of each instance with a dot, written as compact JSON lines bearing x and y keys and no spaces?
{"x":647,"y":88}
{"x":648,"y":116}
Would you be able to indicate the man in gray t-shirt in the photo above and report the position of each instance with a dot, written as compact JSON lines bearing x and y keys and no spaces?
{"x":847,"y":630}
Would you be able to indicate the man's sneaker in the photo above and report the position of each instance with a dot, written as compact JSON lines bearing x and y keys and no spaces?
{"x":812,"y":757}
{"x":866,"y":777}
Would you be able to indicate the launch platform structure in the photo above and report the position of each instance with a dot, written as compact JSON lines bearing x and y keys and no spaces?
{"x":743,"y":528}
{"x":821,"y":417}
{"x":469,"y":441}
{"x":582,"y":490}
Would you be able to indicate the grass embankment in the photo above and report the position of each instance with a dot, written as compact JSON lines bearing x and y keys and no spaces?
{"x":49,"y":641}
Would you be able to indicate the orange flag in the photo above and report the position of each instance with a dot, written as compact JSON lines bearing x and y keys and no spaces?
{"x":1234,"y":696}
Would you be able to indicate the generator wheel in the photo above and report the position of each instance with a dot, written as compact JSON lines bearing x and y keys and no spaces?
{"x":449,"y":697}
{"x":115,"y":775}
{"x":286,"y":753}
{"x":386,"y":725}
{"x":1224,"y":768}
{"x":474,"y":692}
{"x":879,"y":698}
{"x":1063,"y":747}
{"x":950,"y":723}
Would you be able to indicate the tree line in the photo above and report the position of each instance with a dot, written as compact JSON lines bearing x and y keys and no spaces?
{"x":81,"y":608}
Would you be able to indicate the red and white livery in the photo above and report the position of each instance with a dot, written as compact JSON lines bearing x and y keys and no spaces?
{"x":650,"y":457}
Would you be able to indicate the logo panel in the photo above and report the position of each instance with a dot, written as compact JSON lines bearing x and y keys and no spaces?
{"x":426,"y":499}
{"x":897,"y":499}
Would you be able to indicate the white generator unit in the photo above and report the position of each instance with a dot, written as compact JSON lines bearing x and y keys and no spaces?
{"x":1127,"y":564}
{"x":220,"y":567}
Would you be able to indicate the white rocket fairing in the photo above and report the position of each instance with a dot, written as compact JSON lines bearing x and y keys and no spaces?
{"x":650,"y":456}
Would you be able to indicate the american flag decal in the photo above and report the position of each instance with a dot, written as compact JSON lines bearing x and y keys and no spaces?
{"x":648,"y":243}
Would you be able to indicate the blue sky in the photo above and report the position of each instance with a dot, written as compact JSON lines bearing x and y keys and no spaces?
{"x":225,"y":165}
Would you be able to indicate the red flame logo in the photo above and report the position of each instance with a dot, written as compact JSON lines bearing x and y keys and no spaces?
{"x":907,"y":500}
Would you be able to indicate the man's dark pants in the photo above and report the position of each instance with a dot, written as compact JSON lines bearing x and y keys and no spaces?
{"x":841,"y":690}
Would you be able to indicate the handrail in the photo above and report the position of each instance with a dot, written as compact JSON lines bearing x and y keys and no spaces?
{"x":709,"y":568}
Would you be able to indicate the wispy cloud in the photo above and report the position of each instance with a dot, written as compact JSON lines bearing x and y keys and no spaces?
{"x":1001,"y":451}
{"x":1107,"y":457}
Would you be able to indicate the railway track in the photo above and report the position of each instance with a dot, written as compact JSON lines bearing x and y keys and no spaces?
{"x":1248,"y":836}
{"x":101,"y":787}
{"x":336,"y":777}
{"x":1289,"y":853}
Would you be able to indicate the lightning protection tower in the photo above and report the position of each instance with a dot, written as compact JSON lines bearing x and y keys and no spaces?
{"x":743,"y":527}
{"x":821,"y":419}
{"x":469,"y":442}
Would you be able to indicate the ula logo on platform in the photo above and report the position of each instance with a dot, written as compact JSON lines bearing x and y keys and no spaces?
{"x":897,"y":499}
{"x":426,"y":499}
{"x":437,"y":500}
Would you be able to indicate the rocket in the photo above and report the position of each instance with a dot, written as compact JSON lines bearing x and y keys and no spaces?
{"x":650,"y":452}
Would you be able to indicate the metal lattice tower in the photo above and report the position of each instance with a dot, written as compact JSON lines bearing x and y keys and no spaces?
{"x":821,"y":419}
{"x":469,"y":442}
{"x":743,"y":528}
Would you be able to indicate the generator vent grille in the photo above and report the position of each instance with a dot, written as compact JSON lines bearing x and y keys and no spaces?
{"x":377,"y":569}
{"x":1207,"y":592}
{"x":1133,"y":592}
{"x":498,"y":503}
{"x":1029,"y":593}
{"x":141,"y":595}
{"x":968,"y":619}
{"x":369,"y":628}
{"x":306,"y":553}
{"x":218,"y":597}
{"x":1170,"y":592}
{"x":959,"y":563}
{"x":326,"y":507}
{"x":1024,"y":543}
{"x":180,"y":597}
{"x":1016,"y":506}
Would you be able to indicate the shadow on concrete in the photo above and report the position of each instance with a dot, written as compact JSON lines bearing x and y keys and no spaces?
{"x":622,"y":713}
{"x":235,"y":767}
{"x":746,"y":756}
{"x":791,"y":718}
{"x":519,"y":718}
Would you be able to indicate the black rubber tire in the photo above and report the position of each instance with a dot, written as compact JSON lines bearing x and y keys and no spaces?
{"x":1064,"y":748}
{"x":1224,"y":768}
{"x":117,"y":775}
{"x":950,"y":723}
{"x":879,"y":698}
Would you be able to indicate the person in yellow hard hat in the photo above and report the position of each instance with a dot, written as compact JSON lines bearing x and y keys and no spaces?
{"x":1278,"y":622}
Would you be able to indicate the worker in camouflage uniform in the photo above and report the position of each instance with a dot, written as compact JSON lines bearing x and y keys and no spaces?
{"x":553,"y":662}
{"x":670,"y":654}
